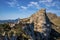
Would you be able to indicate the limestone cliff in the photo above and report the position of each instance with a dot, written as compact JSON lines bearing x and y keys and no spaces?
{"x":41,"y":25}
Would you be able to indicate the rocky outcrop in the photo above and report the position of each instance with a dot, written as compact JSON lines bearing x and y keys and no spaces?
{"x":36,"y":27}
{"x":42,"y":26}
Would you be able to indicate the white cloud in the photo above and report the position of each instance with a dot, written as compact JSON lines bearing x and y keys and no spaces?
{"x":23,"y":7}
{"x":48,"y":3}
{"x":49,"y":0}
{"x":13,"y":3}
{"x":32,"y":4}
{"x":45,"y":1}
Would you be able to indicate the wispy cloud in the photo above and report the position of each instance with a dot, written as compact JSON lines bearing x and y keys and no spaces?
{"x":50,"y":3}
{"x":23,"y":7}
{"x":36,"y":5}
{"x":45,"y":0}
{"x":32,"y":4}
{"x":47,"y":3}
{"x":13,"y":3}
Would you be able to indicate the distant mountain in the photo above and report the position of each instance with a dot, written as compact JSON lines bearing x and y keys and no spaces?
{"x":6,"y":21}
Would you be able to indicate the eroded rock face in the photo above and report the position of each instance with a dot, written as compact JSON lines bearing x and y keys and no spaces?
{"x":41,"y":23}
{"x":42,"y":27}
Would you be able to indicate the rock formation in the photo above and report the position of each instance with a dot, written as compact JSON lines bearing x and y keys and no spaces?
{"x":41,"y":26}
{"x":36,"y":27}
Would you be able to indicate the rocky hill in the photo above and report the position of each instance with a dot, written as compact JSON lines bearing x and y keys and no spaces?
{"x":39,"y":26}
{"x":55,"y":20}
{"x":44,"y":24}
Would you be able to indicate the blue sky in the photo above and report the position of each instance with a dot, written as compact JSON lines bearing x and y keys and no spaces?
{"x":13,"y":9}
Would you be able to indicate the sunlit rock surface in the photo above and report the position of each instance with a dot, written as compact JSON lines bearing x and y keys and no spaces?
{"x":38,"y":26}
